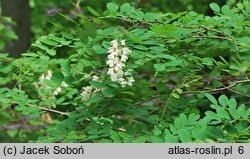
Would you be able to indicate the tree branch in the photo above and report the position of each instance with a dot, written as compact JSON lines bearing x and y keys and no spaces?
{"x":237,"y":92}
{"x":147,"y":100}
{"x":46,"y":109}
{"x":207,"y":28}
{"x":223,"y":88}
{"x":226,"y":36}
{"x":213,"y":37}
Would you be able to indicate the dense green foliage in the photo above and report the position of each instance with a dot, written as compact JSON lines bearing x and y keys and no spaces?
{"x":191,"y":75}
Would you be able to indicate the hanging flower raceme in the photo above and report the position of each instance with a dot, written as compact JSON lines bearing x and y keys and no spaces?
{"x":118,"y":55}
{"x":88,"y":91}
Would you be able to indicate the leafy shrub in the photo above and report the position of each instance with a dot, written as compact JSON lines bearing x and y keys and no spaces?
{"x":143,"y":79}
{"x":227,"y":124}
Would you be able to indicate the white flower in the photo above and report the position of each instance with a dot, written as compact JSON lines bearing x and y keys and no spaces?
{"x":128,"y":72}
{"x":95,"y":78}
{"x":88,"y":89}
{"x":120,"y":79}
{"x":130,"y":81}
{"x":123,"y":42}
{"x":87,"y":92}
{"x":41,"y":78}
{"x":49,"y":75}
{"x":35,"y":84}
{"x":64,"y":84}
{"x":124,"y":58}
{"x":125,"y":51}
{"x":114,"y":44}
{"x":57,"y":91}
{"x":116,"y":62}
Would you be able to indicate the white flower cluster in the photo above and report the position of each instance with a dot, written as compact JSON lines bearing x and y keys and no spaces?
{"x":48,"y":76}
{"x":116,"y":62}
{"x":88,"y":91}
{"x":43,"y":77}
{"x":59,"y":89}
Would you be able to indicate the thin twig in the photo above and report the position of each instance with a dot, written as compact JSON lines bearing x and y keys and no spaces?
{"x":207,"y":28}
{"x":137,"y":104}
{"x":213,"y":37}
{"x":46,"y":109}
{"x":147,"y":100}
{"x":189,"y":92}
{"x":223,"y":88}
{"x":51,"y":110}
{"x":112,"y":17}
{"x":226,"y":36}
{"x":237,"y":92}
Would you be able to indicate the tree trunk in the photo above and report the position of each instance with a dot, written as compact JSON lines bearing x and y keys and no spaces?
{"x":19,"y":11}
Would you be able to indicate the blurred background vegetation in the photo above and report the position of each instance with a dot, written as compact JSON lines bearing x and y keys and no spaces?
{"x":33,"y":18}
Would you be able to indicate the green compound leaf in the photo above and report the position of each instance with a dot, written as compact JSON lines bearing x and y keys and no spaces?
{"x":112,"y":7}
{"x":159,"y":67}
{"x":51,"y":52}
{"x":226,"y":10}
{"x":185,"y":136}
{"x":215,"y":7}
{"x":92,"y":11}
{"x":232,"y":103}
{"x":97,"y":84}
{"x":211,"y":98}
{"x":150,"y":16}
{"x":115,"y":136}
{"x":126,"y":7}
{"x":94,"y":99}
{"x":223,"y":100}
{"x":169,"y":138}
{"x":223,"y":114}
{"x":91,"y":29}
{"x":108,"y":92}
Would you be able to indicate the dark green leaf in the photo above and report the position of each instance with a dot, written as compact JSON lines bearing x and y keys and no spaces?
{"x":94,"y":12}
{"x":150,"y":16}
{"x":91,"y":29}
{"x":112,"y":7}
{"x":126,"y":7}
{"x":97,"y":84}
{"x":108,"y":92}
{"x":215,"y":7}
{"x":159,"y":67}
{"x":215,"y":73}
{"x":94,"y":99}
{"x":226,"y":10}
{"x":211,"y":98}
{"x":223,"y":100}
{"x":185,"y":136}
